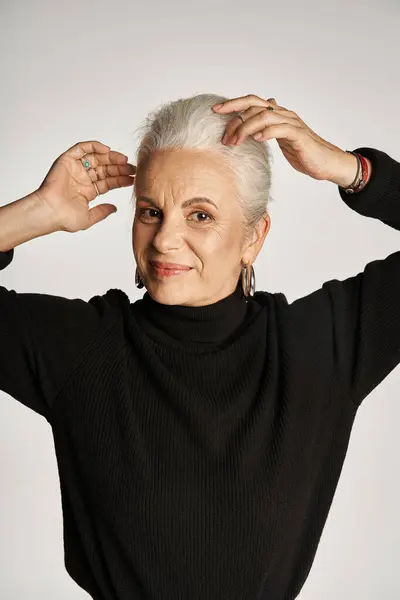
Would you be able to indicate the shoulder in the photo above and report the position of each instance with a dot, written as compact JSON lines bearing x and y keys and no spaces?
{"x":270,"y":298}
{"x":113,"y":298}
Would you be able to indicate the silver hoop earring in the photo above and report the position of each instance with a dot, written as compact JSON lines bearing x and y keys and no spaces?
{"x":139,"y":283}
{"x":248,"y":281}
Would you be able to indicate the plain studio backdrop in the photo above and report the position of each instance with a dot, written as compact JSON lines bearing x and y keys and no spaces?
{"x":74,"y":71}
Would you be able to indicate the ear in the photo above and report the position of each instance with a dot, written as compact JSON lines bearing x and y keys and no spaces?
{"x":256,"y":241}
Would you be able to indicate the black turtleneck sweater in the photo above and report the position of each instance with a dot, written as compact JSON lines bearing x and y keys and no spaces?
{"x":199,"y":448}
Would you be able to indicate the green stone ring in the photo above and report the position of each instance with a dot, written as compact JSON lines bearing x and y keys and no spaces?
{"x":86,"y":164}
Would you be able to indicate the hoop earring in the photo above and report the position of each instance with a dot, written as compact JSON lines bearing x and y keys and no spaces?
{"x":248,"y":280}
{"x":139,"y":283}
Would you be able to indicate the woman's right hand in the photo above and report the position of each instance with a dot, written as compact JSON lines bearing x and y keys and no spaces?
{"x":68,"y":187}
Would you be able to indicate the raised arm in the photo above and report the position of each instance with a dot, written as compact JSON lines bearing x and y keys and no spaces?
{"x":43,"y":337}
{"x":356,"y":322}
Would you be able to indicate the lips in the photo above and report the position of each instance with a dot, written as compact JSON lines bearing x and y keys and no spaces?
{"x":169,"y":266}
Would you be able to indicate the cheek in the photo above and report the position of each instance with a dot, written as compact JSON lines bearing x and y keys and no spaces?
{"x":141,"y":235}
{"x":217,"y":247}
{"x":139,"y":241}
{"x":222,"y":240}
{"x":205,"y":242}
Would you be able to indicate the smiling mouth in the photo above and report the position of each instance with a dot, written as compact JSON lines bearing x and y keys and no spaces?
{"x":163,"y":271}
{"x":173,"y":266}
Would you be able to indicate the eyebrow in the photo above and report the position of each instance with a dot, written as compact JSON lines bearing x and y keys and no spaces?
{"x":186,"y":203}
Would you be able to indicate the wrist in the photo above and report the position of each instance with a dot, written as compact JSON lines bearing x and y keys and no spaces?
{"x":346,"y":170}
{"x":23,"y":220}
{"x":36,"y":215}
{"x":43,"y":215}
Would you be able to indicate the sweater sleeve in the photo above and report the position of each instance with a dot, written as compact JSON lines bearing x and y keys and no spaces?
{"x":356,"y":321}
{"x":42,"y":338}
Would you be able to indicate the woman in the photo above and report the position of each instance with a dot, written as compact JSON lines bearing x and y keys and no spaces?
{"x":200,"y":432}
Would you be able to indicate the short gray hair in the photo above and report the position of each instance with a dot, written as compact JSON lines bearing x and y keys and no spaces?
{"x":191,"y":123}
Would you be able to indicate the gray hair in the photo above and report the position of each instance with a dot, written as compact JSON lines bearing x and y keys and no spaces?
{"x":191,"y":123}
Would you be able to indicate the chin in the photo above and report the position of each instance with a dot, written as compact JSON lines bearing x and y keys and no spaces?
{"x":170,"y":293}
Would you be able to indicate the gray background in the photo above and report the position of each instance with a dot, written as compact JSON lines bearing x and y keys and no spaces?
{"x":74,"y":71}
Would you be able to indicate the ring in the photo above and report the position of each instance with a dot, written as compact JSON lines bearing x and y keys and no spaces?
{"x":96,"y":188}
{"x":240,"y":116}
{"x":85,"y":163}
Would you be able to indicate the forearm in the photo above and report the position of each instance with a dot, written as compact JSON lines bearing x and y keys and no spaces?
{"x":347,"y":170}
{"x":24,"y":220}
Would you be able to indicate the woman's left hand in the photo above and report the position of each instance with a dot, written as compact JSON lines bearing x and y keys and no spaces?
{"x":306,"y":151}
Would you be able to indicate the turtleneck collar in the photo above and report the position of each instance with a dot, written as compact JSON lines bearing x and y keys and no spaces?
{"x":213,"y":323}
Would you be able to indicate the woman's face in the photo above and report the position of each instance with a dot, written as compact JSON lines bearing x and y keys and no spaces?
{"x":174,"y":223}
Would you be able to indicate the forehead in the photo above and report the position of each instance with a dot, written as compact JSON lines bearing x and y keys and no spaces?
{"x":184,"y":171}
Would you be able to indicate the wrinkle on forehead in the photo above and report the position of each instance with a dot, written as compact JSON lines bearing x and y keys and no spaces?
{"x":188,"y":172}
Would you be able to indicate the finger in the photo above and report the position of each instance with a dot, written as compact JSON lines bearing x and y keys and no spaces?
{"x":81,"y":148}
{"x":96,"y":153}
{"x":288,"y":131}
{"x":111,"y":183}
{"x":240,"y":104}
{"x":111,"y":157}
{"x":100,"y":212}
{"x":236,"y":122}
{"x":102,"y":172}
{"x":258,"y":122}
{"x":272,"y":102}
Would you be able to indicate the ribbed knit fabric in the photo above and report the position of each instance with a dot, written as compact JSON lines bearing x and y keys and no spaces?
{"x":199,"y":448}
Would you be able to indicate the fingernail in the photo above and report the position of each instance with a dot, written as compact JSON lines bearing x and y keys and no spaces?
{"x":217,"y":106}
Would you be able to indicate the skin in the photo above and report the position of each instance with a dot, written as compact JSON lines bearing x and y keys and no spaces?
{"x":209,"y":239}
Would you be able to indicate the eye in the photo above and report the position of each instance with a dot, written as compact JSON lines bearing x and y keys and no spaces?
{"x":145,"y":214}
{"x":201,"y":212}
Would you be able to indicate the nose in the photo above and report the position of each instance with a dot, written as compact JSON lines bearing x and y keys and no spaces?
{"x":167,"y":237}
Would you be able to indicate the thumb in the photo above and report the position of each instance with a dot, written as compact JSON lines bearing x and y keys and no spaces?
{"x":101,"y":212}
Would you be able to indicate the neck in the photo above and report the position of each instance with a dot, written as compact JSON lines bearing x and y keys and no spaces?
{"x":211,"y":323}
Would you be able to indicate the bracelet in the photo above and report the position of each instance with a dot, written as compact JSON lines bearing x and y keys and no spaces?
{"x":361,"y":177}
